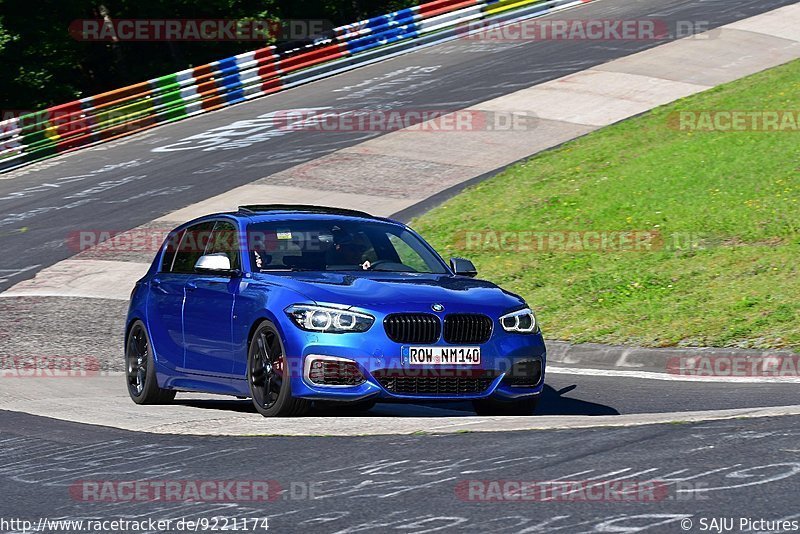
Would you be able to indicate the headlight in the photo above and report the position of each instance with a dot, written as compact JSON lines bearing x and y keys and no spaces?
{"x":331,"y":320}
{"x":521,"y":321}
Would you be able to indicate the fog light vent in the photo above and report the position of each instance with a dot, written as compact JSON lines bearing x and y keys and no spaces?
{"x":525,"y":374}
{"x":326,"y":372}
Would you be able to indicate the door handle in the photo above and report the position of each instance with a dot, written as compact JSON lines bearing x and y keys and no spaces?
{"x":191,"y":286}
{"x":155,"y":283}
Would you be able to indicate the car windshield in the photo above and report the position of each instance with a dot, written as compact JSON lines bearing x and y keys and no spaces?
{"x":336,"y":245}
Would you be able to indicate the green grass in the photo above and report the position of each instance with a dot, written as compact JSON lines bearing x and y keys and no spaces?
{"x":736,"y":193}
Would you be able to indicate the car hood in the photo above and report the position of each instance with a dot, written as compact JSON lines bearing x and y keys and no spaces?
{"x":398,"y":291}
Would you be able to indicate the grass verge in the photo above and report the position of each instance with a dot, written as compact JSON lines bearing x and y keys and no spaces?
{"x":721,"y":208}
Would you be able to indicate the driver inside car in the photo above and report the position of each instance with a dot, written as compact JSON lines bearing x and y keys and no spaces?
{"x":346,"y":251}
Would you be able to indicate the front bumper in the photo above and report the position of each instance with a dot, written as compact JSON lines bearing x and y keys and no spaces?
{"x":388,"y":376}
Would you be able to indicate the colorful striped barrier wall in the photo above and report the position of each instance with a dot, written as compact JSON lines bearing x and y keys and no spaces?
{"x":206,"y":88}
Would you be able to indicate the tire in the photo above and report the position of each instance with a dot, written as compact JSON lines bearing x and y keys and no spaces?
{"x":140,"y":369}
{"x":498,"y":407}
{"x":268,"y":376}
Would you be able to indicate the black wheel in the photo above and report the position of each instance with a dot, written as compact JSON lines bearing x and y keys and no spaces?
{"x":141,"y":370}
{"x":268,"y":375}
{"x":497,"y":407}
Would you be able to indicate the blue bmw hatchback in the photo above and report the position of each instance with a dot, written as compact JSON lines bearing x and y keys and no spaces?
{"x":292,"y":305}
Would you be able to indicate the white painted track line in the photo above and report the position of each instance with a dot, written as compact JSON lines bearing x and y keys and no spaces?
{"x":649,"y":375}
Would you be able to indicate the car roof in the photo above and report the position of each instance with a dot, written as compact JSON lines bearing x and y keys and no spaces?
{"x":258,"y":209}
{"x":282,"y":212}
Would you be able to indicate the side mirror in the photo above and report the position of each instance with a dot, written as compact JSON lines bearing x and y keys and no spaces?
{"x":463,"y":267}
{"x":214,"y":264}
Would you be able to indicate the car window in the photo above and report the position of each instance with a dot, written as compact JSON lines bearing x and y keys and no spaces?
{"x":170,"y":248}
{"x":225,"y":240}
{"x":193,"y":245}
{"x":408,"y":256}
{"x":338,"y":245}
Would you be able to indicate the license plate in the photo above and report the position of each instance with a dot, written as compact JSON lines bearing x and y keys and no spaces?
{"x":442,"y":355}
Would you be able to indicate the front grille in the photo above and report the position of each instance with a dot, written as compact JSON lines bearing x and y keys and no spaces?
{"x":461,"y":328}
{"x":435,"y":382}
{"x":335,"y":373}
{"x":526,"y":373}
{"x":413,"y":328}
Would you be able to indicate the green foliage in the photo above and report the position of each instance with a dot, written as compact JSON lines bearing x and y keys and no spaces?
{"x":5,"y":37}
{"x":42,"y":65}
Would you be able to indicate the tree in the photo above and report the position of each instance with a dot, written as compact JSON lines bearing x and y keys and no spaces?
{"x":41,"y":64}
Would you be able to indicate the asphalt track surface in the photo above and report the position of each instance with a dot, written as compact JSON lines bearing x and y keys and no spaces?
{"x":586,"y":395}
{"x":410,"y":483}
{"x":121,"y":185}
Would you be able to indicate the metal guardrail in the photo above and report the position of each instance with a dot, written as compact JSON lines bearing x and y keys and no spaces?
{"x":115,"y":114}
